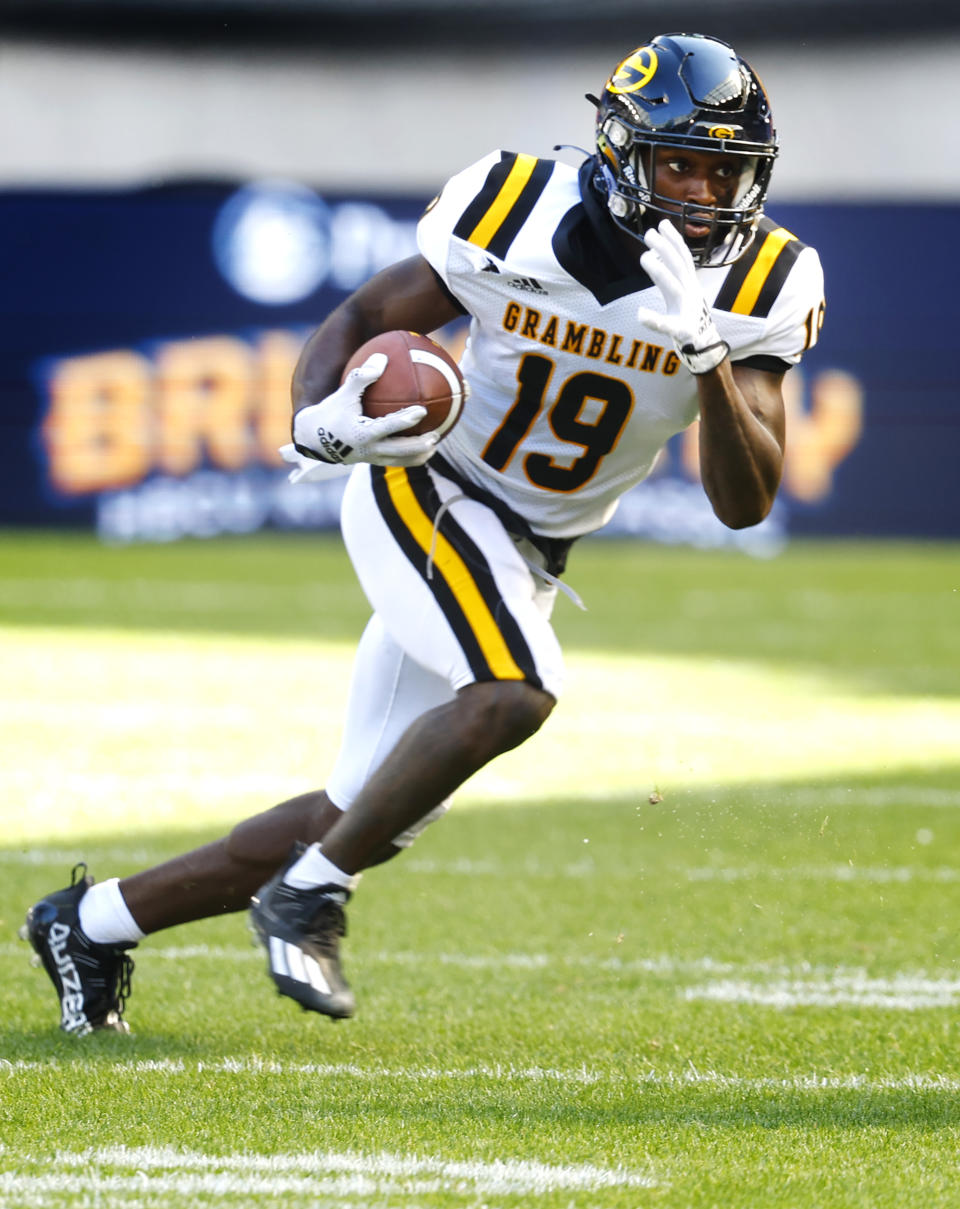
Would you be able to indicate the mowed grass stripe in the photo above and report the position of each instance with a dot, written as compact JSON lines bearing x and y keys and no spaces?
{"x":180,"y":598}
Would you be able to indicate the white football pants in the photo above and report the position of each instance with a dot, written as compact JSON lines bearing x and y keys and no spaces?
{"x":455,"y":602}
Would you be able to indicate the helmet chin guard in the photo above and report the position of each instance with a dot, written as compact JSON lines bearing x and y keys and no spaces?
{"x":685,"y":91}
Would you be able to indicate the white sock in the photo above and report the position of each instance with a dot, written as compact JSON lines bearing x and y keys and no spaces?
{"x":313,"y":869}
{"x":105,"y":917}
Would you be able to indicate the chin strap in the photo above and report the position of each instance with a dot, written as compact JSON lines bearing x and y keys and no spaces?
{"x":572,"y":147}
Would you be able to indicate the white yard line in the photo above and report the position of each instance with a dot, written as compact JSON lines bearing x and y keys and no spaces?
{"x":120,"y":1169}
{"x":465,"y":867}
{"x":765,"y":983}
{"x":878,"y":874}
{"x":64,"y":858}
{"x":571,"y":1076}
{"x":875,"y":795}
{"x":901,"y":993}
{"x":773,"y":983}
{"x":663,"y":965}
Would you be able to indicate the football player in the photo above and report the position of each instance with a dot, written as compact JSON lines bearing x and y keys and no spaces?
{"x":610,"y":305}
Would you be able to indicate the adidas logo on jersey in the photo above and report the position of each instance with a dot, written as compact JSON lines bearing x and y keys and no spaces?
{"x":530,"y":284}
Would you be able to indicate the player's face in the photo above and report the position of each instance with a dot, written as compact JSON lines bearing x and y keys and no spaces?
{"x":693,"y":178}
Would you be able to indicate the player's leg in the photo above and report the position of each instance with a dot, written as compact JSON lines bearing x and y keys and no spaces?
{"x":82,"y":933}
{"x":451,"y":590}
{"x":387,"y":692}
{"x":299,"y":915}
{"x":433,"y":758}
{"x":219,"y":877}
{"x":485,"y":718}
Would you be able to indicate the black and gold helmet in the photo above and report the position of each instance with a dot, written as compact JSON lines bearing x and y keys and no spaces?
{"x":685,"y":90}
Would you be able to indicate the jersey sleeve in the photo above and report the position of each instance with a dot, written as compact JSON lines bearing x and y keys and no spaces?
{"x":771,"y":303}
{"x":796,"y":316}
{"x":435,"y":229}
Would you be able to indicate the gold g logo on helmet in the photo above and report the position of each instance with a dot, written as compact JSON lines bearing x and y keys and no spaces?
{"x":722,"y":132}
{"x":635,"y":72}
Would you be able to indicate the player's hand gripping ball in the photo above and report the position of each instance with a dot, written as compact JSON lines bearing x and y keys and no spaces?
{"x":419,"y":372}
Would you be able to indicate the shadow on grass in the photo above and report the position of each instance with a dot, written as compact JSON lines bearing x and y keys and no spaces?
{"x":899,"y":820}
{"x":880,"y":615}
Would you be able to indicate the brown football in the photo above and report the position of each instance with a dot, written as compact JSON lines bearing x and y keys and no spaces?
{"x":418,"y":371}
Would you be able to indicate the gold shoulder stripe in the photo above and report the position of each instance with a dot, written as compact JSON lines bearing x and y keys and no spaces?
{"x":753,"y":283}
{"x":502,"y":204}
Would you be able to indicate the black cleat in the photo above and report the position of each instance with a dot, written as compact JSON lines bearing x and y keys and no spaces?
{"x":301,"y":930}
{"x":92,"y":980}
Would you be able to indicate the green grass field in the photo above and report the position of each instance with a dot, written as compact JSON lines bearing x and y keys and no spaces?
{"x":695,"y":945}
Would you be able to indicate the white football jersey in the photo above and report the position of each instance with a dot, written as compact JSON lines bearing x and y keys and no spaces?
{"x":571,"y":397}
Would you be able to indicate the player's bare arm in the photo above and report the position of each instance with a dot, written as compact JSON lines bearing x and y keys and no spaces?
{"x":329,"y":425}
{"x":405,"y":296}
{"x":741,"y":441}
{"x":741,"y":409}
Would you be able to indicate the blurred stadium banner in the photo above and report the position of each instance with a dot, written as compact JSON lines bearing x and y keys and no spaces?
{"x":567,"y":22}
{"x":149,"y":336}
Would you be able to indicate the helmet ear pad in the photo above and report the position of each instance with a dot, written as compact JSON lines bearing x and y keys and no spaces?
{"x":624,"y":166}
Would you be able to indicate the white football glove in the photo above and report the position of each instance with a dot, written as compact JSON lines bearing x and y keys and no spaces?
{"x":335,"y":430}
{"x":310,"y":470}
{"x":669,"y":265}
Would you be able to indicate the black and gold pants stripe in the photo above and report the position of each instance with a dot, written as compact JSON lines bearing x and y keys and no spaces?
{"x":456,"y":571}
